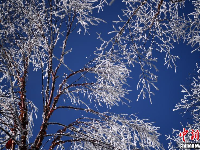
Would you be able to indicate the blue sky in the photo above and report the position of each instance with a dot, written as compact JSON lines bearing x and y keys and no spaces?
{"x":169,"y":94}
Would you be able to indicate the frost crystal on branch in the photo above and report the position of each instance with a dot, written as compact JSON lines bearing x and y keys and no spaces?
{"x":110,"y":80}
{"x":115,"y":132}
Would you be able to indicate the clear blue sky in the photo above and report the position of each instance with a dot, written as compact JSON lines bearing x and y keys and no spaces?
{"x":169,"y":94}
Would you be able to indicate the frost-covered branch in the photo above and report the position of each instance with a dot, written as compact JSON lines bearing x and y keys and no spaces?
{"x":189,"y":104}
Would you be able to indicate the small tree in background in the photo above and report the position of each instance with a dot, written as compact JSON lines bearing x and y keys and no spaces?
{"x":34,"y":35}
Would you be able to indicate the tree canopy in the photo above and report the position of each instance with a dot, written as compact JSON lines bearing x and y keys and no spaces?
{"x":35,"y":37}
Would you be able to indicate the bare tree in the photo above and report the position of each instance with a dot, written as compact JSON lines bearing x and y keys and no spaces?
{"x":31,"y":33}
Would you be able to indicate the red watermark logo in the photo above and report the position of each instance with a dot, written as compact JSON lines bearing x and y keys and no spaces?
{"x":194,"y":135}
